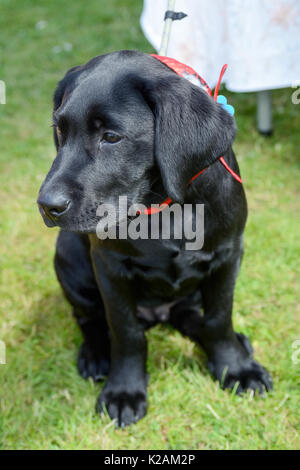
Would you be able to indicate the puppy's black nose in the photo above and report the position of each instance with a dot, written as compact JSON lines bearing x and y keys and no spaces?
{"x":54,"y":206}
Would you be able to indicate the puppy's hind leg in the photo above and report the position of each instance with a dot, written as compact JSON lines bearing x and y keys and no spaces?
{"x":75,"y":274}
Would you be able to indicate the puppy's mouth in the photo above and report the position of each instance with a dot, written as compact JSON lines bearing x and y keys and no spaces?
{"x":84,"y":222}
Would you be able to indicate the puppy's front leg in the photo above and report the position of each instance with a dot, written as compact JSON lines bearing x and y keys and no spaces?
{"x":124,"y":395}
{"x":229,"y":353}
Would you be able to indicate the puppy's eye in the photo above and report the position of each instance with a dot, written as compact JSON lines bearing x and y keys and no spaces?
{"x":59,"y":135}
{"x":111,"y":137}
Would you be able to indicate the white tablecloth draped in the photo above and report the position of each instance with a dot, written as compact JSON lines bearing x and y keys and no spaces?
{"x":258,"y":39}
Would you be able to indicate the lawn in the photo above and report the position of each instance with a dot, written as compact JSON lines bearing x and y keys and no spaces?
{"x":44,"y":404}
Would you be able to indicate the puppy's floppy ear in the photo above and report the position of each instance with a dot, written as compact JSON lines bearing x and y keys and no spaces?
{"x":63,"y":89}
{"x":67,"y":82}
{"x":191,"y":131}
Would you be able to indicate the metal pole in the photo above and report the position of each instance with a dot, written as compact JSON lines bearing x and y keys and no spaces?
{"x":167,"y":29}
{"x":264,"y":112}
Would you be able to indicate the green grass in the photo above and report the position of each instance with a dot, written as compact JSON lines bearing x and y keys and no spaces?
{"x":43,"y":402}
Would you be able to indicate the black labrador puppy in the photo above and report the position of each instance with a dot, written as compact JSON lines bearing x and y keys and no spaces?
{"x":126,"y":124}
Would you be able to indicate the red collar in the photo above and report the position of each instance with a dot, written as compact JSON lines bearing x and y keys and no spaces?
{"x":184,"y":70}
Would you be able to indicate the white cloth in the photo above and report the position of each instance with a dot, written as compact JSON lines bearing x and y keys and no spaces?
{"x":258,"y":39}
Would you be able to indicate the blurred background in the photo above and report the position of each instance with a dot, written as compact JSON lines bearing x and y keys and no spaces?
{"x":43,"y":401}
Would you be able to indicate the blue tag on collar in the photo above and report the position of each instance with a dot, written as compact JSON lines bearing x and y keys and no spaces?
{"x":223,"y":102}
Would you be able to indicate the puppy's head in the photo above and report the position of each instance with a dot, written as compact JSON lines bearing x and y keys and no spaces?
{"x":122,"y":123}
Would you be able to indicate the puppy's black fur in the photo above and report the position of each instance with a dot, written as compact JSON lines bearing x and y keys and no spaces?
{"x":125,"y":124}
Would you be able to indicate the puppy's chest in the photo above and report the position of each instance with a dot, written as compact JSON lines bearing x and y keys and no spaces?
{"x":170,"y":277}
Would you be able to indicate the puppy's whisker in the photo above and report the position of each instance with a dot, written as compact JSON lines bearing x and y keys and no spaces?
{"x":156,"y":194}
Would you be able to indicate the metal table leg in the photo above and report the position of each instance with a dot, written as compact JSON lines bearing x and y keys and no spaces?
{"x":264,"y":112}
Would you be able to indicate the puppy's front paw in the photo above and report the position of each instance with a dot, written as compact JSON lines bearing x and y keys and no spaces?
{"x":92,"y":364}
{"x":250,"y":375}
{"x":234,"y":367}
{"x":124,"y":406}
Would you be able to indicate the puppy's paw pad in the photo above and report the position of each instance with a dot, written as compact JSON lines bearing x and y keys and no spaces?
{"x":124,"y":407}
{"x":91,"y":364}
{"x":252,"y":377}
